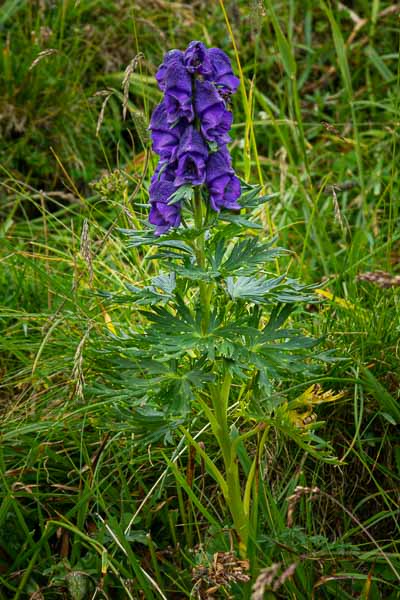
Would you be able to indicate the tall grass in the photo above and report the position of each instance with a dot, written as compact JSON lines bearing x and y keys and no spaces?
{"x":87,"y":511}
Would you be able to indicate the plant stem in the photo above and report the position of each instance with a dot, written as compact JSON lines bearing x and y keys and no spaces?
{"x":220,"y":397}
{"x":205,"y":288}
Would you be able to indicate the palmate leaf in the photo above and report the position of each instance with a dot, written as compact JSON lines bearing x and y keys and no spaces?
{"x":146,"y":397}
{"x":252,"y":289}
{"x":165,"y":282}
{"x":250,"y":197}
{"x":264,"y":290}
{"x":248,"y":255}
{"x":239,"y":220}
{"x":158,"y":292}
{"x":176,"y":239}
{"x":148,"y":424}
{"x":195,"y":273}
{"x":294,"y":291}
{"x":170,"y":335}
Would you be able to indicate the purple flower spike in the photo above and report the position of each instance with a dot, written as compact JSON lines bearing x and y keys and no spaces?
{"x":190,"y":130}
{"x":178,"y":93}
{"x":162,"y":214}
{"x":215,"y":119}
{"x":192,"y":158}
{"x":171,"y":57}
{"x":165,"y":138}
{"x":223,"y":185}
{"x":196,"y":59}
{"x":222,"y":74}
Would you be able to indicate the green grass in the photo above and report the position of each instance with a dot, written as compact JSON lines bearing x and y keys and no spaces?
{"x":81,"y":500}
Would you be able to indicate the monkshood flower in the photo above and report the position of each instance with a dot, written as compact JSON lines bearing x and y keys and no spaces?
{"x":192,"y":158}
{"x":178,"y":93}
{"x":222,"y":183}
{"x":215,"y":119}
{"x":196,"y":59}
{"x":165,"y":138}
{"x":222,"y":74}
{"x":171,"y":57}
{"x":163,"y":214}
{"x":190,"y":130}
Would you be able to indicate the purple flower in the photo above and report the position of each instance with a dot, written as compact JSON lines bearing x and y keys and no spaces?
{"x":178,"y":93}
{"x":162,"y":214}
{"x":165,"y":171}
{"x":190,"y":130}
{"x":215,"y":119}
{"x":222,"y":74}
{"x":196,"y":59}
{"x":192,"y":157}
{"x":170,"y":58}
{"x":165,"y":138}
{"x":223,"y":185}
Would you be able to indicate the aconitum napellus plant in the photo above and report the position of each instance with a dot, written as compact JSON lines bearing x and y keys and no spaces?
{"x":190,"y":133}
{"x":212,"y":335}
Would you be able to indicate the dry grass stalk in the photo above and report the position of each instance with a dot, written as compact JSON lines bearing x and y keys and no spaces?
{"x":268,"y":580}
{"x":264,"y":581}
{"x":295,"y":498}
{"x":107,"y":95}
{"x":77,"y":371}
{"x":43,"y":54}
{"x":225,"y":569}
{"x":85,"y":249}
{"x":380,"y":278}
{"x":126,"y":80}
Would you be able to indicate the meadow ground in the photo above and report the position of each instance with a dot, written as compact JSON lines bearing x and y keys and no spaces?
{"x":87,"y":508}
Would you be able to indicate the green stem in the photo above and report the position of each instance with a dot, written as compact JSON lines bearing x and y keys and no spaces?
{"x":233,"y":496}
{"x":230,"y":487}
{"x":205,"y":288}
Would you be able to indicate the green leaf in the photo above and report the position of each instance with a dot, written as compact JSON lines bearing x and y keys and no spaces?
{"x":340,"y":50}
{"x":195,"y":273}
{"x":285,"y":51}
{"x":248,"y":256}
{"x":239,"y":220}
{"x":9,"y":8}
{"x":165,"y":282}
{"x":249,"y":288}
{"x":379,"y":64}
{"x":387,"y":403}
{"x":250,"y":196}
{"x":175,"y":239}
{"x":183,"y":193}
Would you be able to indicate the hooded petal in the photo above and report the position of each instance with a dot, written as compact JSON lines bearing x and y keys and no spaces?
{"x":222,"y":74}
{"x":196,"y":59}
{"x":192,"y":156}
{"x":165,"y":138}
{"x":223,"y":185}
{"x":163,"y":215}
{"x":178,"y":93}
{"x":192,"y":141}
{"x":161,"y":190}
{"x":171,"y":57}
{"x":215,"y":119}
{"x":191,"y":169}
